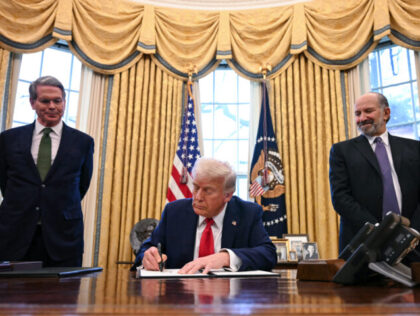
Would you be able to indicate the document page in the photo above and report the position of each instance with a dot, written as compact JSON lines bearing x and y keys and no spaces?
{"x":173,"y":273}
{"x":251,"y":273}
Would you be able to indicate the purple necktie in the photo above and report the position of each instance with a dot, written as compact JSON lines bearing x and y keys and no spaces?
{"x":389,"y":202}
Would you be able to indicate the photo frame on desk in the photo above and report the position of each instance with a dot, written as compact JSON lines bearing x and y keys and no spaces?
{"x":282,"y":249}
{"x":296,"y":243}
{"x":310,"y":251}
{"x":292,"y":256}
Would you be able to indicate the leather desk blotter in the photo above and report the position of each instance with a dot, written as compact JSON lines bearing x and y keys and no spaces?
{"x":20,"y":265}
{"x":318,"y":270}
{"x":49,"y":272}
{"x":25,"y":265}
{"x":5,"y":266}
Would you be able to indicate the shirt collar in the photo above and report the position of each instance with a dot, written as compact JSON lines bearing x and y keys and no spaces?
{"x":57,"y":129}
{"x":218,"y":219}
{"x":384,"y":137}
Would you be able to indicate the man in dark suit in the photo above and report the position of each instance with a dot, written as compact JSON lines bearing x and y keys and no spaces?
{"x":356,"y":178}
{"x":238,"y":238}
{"x":45,"y":170}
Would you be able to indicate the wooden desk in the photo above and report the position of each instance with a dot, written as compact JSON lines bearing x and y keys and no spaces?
{"x":118,"y":292}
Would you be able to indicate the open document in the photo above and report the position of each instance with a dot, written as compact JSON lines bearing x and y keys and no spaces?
{"x":173,"y":273}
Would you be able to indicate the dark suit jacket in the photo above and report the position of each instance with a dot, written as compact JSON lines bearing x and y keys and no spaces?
{"x":356,"y":183}
{"x":243,"y":233}
{"x":56,"y":201}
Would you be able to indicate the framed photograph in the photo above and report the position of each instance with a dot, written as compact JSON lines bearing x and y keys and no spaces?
{"x":292,"y":255}
{"x":296,"y":243}
{"x":310,"y":251}
{"x":282,"y":249}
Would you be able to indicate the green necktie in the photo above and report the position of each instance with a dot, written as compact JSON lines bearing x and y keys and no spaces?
{"x":44,"y":154}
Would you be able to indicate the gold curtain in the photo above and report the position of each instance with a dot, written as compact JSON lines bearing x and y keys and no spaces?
{"x":143,"y":126}
{"x":110,"y":36}
{"x":309,"y":116}
{"x":31,"y":29}
{"x":104,"y":34}
{"x":4,"y":66}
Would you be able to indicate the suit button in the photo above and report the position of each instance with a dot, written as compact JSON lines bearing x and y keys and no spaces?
{"x":37,"y":208}
{"x":43,"y":185}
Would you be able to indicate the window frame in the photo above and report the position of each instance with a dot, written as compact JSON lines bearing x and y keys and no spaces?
{"x":412,"y":81}
{"x":60,"y":46}
{"x":242,"y":176}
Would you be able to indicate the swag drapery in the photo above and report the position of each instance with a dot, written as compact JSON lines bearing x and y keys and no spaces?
{"x":150,"y":50}
{"x":110,"y":36}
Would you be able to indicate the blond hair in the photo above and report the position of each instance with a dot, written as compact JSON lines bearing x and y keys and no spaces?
{"x":213,"y":168}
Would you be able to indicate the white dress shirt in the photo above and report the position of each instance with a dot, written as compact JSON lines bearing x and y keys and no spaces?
{"x":55,"y":136}
{"x":217,"y":228}
{"x":385,"y":140}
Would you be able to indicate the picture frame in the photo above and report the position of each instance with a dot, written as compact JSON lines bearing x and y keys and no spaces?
{"x":296,"y":243}
{"x":292,"y":256}
{"x":282,"y":249}
{"x":310,"y":251}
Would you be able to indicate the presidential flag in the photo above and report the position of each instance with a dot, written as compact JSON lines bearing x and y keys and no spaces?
{"x":188,"y":151}
{"x":266,"y":176}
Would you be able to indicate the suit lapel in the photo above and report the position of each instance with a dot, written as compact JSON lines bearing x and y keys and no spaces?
{"x":363,"y":146}
{"x":26,"y":145}
{"x":190,"y":220}
{"x":230,"y":226}
{"x":396,"y":152}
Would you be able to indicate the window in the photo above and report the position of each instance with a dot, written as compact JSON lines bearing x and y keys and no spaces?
{"x":393,"y":73}
{"x":56,"y":61}
{"x":225,"y":114}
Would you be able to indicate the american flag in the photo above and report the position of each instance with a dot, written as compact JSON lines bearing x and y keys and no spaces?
{"x":188,"y":151}
{"x":256,"y":189}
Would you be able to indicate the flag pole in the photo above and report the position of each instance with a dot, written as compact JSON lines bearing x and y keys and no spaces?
{"x":264,"y":70}
{"x":184,"y":173}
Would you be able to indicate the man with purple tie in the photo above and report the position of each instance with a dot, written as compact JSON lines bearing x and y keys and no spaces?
{"x":375,"y":172}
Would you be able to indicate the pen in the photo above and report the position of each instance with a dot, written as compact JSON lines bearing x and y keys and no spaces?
{"x":159,"y":246}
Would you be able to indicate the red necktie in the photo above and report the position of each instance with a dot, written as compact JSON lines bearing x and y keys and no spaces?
{"x":206,"y":242}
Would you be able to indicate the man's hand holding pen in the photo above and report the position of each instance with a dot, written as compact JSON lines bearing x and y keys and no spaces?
{"x":152,"y":258}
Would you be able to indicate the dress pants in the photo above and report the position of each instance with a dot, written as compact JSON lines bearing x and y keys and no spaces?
{"x":38,"y":252}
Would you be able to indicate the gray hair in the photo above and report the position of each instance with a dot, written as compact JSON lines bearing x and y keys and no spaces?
{"x":45,"y":81}
{"x":382,"y":101}
{"x":213,"y":168}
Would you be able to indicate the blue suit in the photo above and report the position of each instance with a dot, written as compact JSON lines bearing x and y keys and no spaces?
{"x":243,"y":233}
{"x":56,"y":201}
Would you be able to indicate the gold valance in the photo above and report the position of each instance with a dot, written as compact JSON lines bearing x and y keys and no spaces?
{"x":111,"y":35}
